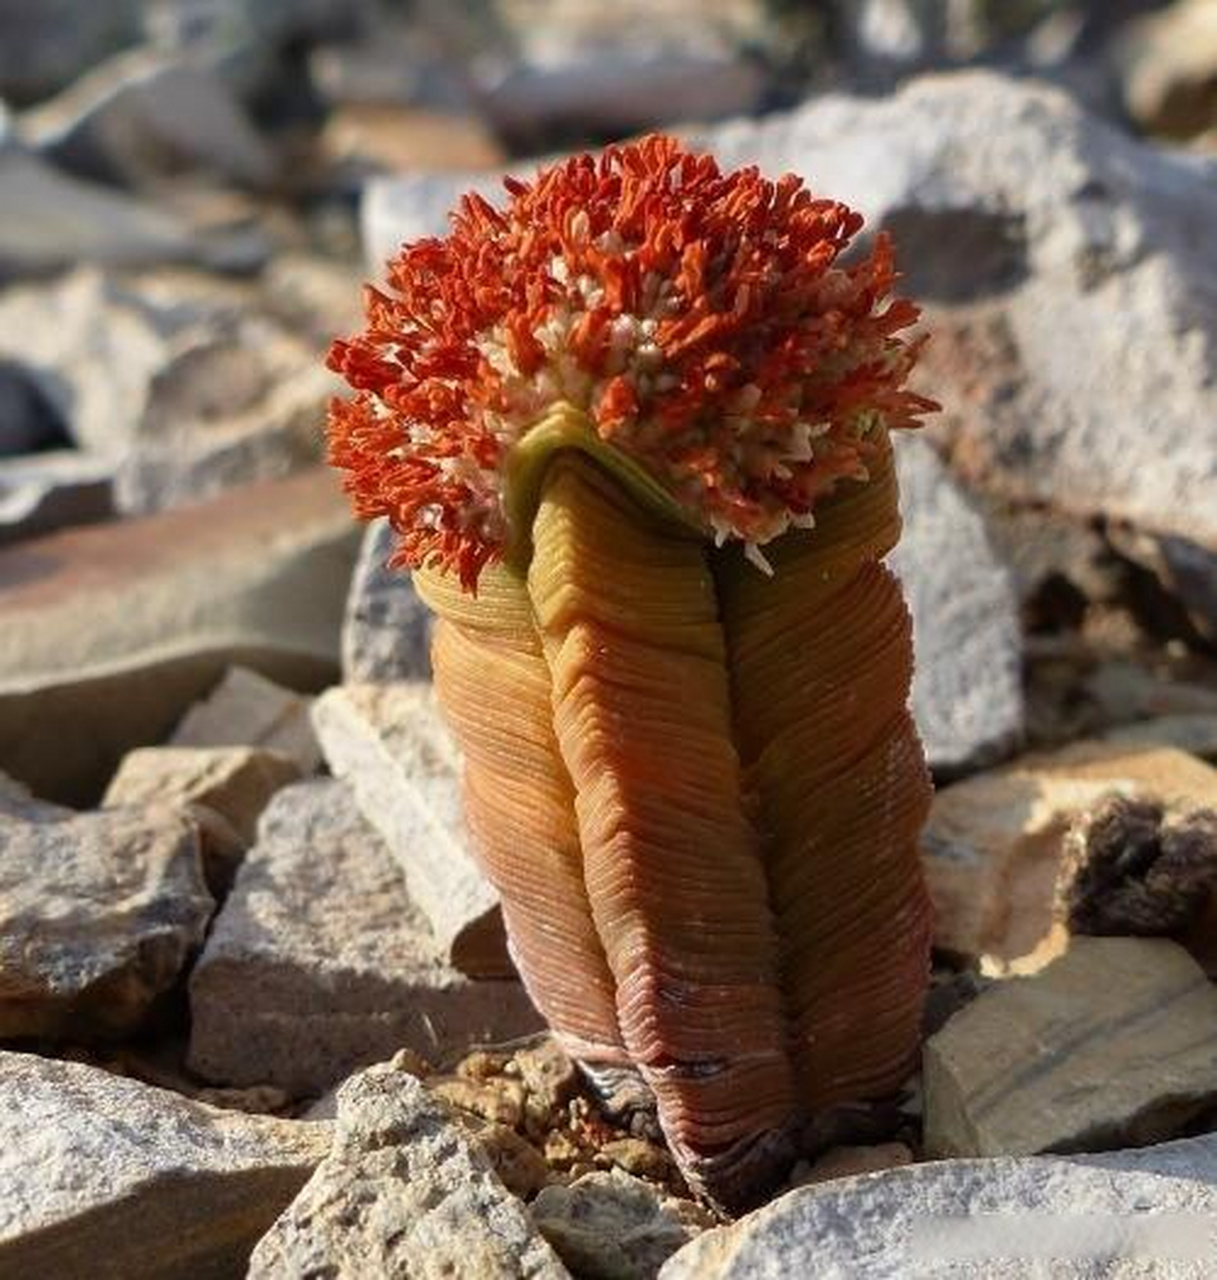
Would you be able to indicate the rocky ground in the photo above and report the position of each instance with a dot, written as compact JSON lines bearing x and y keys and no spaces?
{"x":256,"y":1010}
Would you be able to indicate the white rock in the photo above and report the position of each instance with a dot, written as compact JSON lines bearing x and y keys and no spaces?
{"x":320,"y":961}
{"x":1122,"y":1215}
{"x":403,"y":1193}
{"x":107,"y":1179}
{"x":391,"y":744}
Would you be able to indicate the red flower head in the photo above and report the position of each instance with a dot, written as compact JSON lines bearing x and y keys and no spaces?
{"x":698,"y":319}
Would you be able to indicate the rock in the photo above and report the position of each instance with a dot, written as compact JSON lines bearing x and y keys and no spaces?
{"x":49,"y":220}
{"x":848,"y":1162}
{"x":106,"y":1178}
{"x":109,"y":633}
{"x":362,"y":138}
{"x":386,"y":634}
{"x":99,"y":913}
{"x":391,"y":744}
{"x":247,"y":710}
{"x":49,"y":43}
{"x":1185,"y":570}
{"x":312,"y":296}
{"x":993,"y":846}
{"x":45,"y":491}
{"x":189,"y":389}
{"x":28,"y":422}
{"x":403,"y":1193}
{"x":1128,"y":1213}
{"x":967,"y":681}
{"x":224,"y":789}
{"x":101,"y":348}
{"x":1168,"y":66}
{"x":394,"y":211}
{"x":141,"y":117}
{"x":1128,"y":690}
{"x":610,"y":1226}
{"x":320,"y":961}
{"x":1113,"y":1044}
{"x":188,"y":459}
{"x":1195,"y":734}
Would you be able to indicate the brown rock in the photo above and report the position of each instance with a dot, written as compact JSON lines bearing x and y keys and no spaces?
{"x":111,"y":631}
{"x":224,"y":789}
{"x":320,"y":960}
{"x":1113,"y":1044}
{"x":993,"y":844}
{"x":408,"y":139}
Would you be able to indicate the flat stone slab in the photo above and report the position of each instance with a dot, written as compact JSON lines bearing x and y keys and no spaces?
{"x":391,"y":744}
{"x":1146,"y":1213}
{"x":320,"y":960}
{"x":1113,"y":1044}
{"x":993,"y":844}
{"x":107,"y":634}
{"x":99,"y":913}
{"x":104,"y":1178}
{"x":405,"y":1192}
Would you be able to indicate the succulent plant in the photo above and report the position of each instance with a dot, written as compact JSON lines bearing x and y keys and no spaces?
{"x":633,"y":433}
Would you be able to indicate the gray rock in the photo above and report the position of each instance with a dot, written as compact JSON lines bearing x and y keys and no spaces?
{"x":224,"y":789}
{"x":247,"y":710}
{"x":1113,"y":1044}
{"x":1123,"y":1215}
{"x":320,"y":960}
{"x":99,"y":913}
{"x":142,"y":116}
{"x":182,"y":459}
{"x":612,"y":1226}
{"x":1195,"y":734}
{"x":391,"y":744}
{"x":45,"y":491}
{"x":403,"y":1193}
{"x":108,"y":634}
{"x":48,"y":43}
{"x":967,"y":681}
{"x":386,"y":634}
{"x":106,"y":1178}
{"x":395,"y":211}
{"x":50,"y":220}
{"x":102,"y":349}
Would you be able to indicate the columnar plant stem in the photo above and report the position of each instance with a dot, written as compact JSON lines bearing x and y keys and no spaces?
{"x":821,"y":661}
{"x":642,"y":714}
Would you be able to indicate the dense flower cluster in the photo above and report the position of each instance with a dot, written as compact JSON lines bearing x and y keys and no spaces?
{"x":700,"y":320}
